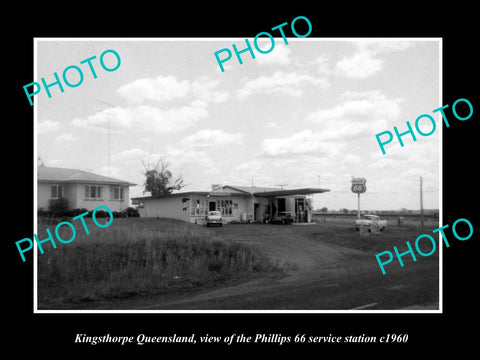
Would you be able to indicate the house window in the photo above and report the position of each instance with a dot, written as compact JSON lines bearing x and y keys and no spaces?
{"x":56,"y":191}
{"x":198,"y":208}
{"x":93,"y":192}
{"x":117,"y":193}
{"x":225,"y":207}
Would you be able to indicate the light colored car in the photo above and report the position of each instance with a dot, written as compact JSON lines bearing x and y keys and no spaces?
{"x":214,"y":218}
{"x":370,"y":220}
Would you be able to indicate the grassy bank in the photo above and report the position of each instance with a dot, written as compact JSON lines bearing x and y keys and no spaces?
{"x":139,"y":257}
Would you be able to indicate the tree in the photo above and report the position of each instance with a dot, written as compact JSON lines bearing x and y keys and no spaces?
{"x":159,"y":180}
{"x":324,"y":209}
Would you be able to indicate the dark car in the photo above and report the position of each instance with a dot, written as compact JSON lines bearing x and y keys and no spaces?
{"x":284,"y":217}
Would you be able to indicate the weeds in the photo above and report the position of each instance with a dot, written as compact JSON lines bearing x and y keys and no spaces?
{"x":128,"y":260}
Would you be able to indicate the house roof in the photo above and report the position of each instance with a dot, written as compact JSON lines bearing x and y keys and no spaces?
{"x":250,"y":189}
{"x":185,"y":194}
{"x":63,"y":175}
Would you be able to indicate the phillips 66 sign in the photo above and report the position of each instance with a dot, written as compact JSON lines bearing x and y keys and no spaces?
{"x":358,"y":185}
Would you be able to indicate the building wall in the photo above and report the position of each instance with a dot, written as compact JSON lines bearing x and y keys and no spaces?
{"x":243,"y":207}
{"x":170,"y":207}
{"x":44,"y":192}
{"x":173,"y":207}
{"x":43,"y":195}
{"x":75,"y":195}
{"x":78,"y":192}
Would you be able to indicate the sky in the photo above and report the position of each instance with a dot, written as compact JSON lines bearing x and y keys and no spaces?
{"x":304,"y":115}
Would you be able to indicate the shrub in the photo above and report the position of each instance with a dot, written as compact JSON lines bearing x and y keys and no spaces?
{"x":58,"y":207}
{"x":76,"y":212}
{"x":42,"y":212}
{"x":118,"y":214}
{"x":131,"y":212}
{"x":101,"y":214}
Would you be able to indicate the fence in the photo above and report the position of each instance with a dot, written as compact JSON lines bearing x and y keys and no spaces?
{"x":393,"y":219}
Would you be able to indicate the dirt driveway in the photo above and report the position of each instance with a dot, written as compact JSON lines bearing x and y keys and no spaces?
{"x":326,"y":266}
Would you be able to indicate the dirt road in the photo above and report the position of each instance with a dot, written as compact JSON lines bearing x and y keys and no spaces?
{"x":326,"y":267}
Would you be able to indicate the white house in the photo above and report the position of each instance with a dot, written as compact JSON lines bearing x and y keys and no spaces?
{"x":236,"y":203}
{"x":82,"y":189}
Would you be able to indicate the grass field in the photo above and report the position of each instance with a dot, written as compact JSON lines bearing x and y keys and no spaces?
{"x":140,"y":257}
{"x":137,"y":259}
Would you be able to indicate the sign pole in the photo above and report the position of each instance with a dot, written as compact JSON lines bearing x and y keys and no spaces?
{"x":358,"y":187}
{"x":358,"y":212}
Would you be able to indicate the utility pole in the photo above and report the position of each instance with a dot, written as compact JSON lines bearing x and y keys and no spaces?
{"x":421,"y":202}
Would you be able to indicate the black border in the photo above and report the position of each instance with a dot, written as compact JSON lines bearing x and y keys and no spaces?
{"x":55,"y":333}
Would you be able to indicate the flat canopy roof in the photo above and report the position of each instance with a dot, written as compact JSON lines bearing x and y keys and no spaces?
{"x":287,"y":192}
{"x":279,"y":192}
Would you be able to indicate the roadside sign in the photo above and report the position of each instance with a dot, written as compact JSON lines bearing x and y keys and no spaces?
{"x":358,"y":185}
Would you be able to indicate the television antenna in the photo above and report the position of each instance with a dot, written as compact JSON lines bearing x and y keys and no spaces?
{"x":108,"y":134}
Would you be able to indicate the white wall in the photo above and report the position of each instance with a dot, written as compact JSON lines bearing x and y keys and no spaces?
{"x":169,"y":207}
{"x":75,"y":195}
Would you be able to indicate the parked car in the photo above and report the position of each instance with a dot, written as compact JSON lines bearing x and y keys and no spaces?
{"x":214,"y":218}
{"x":370,"y":220}
{"x":283,"y":217}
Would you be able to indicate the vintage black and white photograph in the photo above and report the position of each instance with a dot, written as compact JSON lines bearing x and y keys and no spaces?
{"x":225,"y":175}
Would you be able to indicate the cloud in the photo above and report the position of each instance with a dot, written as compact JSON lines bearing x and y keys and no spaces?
{"x":253,"y":165}
{"x":358,"y":114}
{"x":66,"y":137}
{"x":303,"y":142}
{"x":134,"y":154}
{"x":161,"y":88}
{"x":279,"y":55}
{"x":365,"y":62}
{"x":191,"y":158}
{"x":321,"y":64}
{"x":192,"y":99}
{"x":54,"y":162}
{"x":169,"y":88}
{"x":47,"y":126}
{"x":209,"y":139}
{"x":359,"y":66}
{"x":144,"y":118}
{"x":279,"y":83}
{"x":383,"y":46}
{"x":271,"y":125}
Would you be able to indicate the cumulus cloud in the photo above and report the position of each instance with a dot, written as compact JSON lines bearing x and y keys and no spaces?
{"x":168,"y":88}
{"x":357,"y":114}
{"x":321,"y":64}
{"x":279,"y":83}
{"x":144,"y":118}
{"x":360,"y":65}
{"x":192,"y":158}
{"x":365,"y":61}
{"x":271,"y":125}
{"x":303,"y":142}
{"x":375,"y":46}
{"x":209,"y":139}
{"x":134,"y":154}
{"x":279,"y":55}
{"x":47,"y":126}
{"x":66,"y":137}
{"x":173,"y":105}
